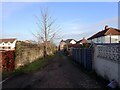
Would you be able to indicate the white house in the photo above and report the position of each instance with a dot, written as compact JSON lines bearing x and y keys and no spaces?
{"x":70,"y":41}
{"x":64,"y":44}
{"x":108,"y":35}
{"x":7,"y":44}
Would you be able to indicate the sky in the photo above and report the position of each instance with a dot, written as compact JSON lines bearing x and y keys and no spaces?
{"x":76,"y":19}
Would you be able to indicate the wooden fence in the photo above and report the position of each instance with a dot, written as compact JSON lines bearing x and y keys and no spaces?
{"x":7,"y":60}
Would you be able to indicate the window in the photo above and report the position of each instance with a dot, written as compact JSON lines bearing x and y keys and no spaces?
{"x":9,"y":43}
{"x":8,"y":47}
{"x":3,"y":47}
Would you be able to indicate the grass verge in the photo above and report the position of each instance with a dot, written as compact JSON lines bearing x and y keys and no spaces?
{"x":30,"y":68}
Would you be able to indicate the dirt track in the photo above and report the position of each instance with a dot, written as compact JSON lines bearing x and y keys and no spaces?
{"x":61,"y":73}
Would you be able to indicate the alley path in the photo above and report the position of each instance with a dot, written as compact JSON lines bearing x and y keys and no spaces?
{"x":61,"y":73}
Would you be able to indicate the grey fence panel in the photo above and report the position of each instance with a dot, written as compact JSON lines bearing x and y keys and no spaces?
{"x":77,"y":55}
{"x":89,"y":59}
{"x":73,"y":54}
{"x":83,"y":56}
{"x":80,"y":56}
{"x":82,"y":59}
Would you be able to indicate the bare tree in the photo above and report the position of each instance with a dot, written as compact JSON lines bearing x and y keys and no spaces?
{"x":47,"y":29}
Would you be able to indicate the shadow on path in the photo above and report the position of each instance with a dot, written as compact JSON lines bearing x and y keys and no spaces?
{"x":60,"y":73}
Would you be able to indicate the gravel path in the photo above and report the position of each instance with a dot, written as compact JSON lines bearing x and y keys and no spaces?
{"x":61,"y":73}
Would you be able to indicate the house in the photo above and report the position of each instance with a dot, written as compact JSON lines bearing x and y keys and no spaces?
{"x":108,"y":35}
{"x":62,"y":45}
{"x":82,"y":41}
{"x":7,"y":44}
{"x":70,"y":41}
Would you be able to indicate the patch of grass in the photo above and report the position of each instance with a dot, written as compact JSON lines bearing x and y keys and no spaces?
{"x":32,"y":67}
{"x":37,"y":65}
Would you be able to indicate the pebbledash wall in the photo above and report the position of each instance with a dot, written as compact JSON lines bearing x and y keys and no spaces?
{"x":107,"y":61}
{"x":27,"y":53}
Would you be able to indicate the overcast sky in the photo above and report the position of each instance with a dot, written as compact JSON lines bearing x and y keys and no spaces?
{"x":77,"y":19}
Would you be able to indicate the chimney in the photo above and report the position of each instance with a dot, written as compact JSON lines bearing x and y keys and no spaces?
{"x":106,"y":27}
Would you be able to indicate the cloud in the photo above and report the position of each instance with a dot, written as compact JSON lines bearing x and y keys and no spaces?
{"x":111,"y":22}
{"x":94,"y":28}
{"x":75,"y":29}
{"x":20,"y":36}
{"x":72,"y":27}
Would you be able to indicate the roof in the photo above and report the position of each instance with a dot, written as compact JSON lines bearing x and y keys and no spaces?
{"x":108,"y":31}
{"x":74,"y":45}
{"x":62,"y":40}
{"x":82,"y":41}
{"x":68,"y":41}
{"x":7,"y":40}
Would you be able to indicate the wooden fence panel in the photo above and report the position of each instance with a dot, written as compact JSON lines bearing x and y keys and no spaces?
{"x":83,"y":56}
{"x":8,"y":60}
